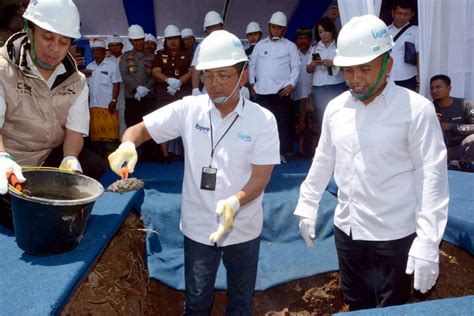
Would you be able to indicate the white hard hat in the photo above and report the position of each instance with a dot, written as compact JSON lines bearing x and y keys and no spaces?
{"x":361,"y":40}
{"x":220,"y":49}
{"x":172,"y":31}
{"x":253,"y":27}
{"x":114,"y":39}
{"x":186,"y":33}
{"x":151,"y":38}
{"x":212,"y":18}
{"x":135,"y":31}
{"x":98,"y":43}
{"x":57,"y":16}
{"x":278,"y":18}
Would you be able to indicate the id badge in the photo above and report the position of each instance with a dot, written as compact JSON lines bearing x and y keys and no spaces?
{"x":208,"y":178}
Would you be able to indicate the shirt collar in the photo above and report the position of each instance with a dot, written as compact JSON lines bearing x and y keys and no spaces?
{"x":239,"y":109}
{"x":59,"y":70}
{"x":399,"y":28}
{"x":387,"y":93}
{"x":321,"y":44}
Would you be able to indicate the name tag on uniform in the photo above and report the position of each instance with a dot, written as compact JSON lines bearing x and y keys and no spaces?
{"x":208,"y":178}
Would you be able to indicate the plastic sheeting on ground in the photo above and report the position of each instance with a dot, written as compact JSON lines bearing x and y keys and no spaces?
{"x":283,"y":256}
{"x":449,"y":306}
{"x":283,"y":253}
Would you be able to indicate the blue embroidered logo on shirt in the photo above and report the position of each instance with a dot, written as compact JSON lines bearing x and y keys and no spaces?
{"x":201,"y":128}
{"x":244,"y":137}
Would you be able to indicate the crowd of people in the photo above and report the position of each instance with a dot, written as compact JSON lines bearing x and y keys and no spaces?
{"x":231,"y":113}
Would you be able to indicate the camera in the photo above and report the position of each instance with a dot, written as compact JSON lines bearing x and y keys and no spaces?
{"x":316,"y":56}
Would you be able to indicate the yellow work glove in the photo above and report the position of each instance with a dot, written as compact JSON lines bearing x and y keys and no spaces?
{"x":125,"y":155}
{"x":226,"y":210}
{"x":71,"y":163}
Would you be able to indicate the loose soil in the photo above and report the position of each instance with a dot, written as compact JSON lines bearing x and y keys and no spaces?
{"x":119,"y":285}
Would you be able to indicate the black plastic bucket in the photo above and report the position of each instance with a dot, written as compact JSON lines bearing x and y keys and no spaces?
{"x":51,"y":214}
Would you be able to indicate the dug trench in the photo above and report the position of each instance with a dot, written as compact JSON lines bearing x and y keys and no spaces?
{"x":119,"y":285}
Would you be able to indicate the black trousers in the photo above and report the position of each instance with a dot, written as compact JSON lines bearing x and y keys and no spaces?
{"x":372,"y":273}
{"x":134,"y":113}
{"x":92,"y":165}
{"x":281,"y":108}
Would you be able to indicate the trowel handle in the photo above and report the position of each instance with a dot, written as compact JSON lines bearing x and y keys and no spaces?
{"x":124,"y":171}
{"x":14,"y":180}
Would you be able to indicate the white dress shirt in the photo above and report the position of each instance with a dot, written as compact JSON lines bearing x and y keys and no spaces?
{"x":274,"y":65}
{"x":303,"y":86}
{"x":78,"y":115}
{"x":389,"y":162}
{"x":252,"y":140}
{"x":320,"y":75}
{"x":402,"y":70}
{"x":101,"y":82}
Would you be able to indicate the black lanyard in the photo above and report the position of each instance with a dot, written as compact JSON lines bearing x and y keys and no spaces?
{"x":212,"y":137}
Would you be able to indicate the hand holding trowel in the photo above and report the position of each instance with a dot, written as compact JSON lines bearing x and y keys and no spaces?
{"x":122,"y":161}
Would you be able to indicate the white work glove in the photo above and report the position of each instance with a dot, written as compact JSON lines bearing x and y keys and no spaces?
{"x":174,"y":83}
{"x":8,"y":164}
{"x":171,"y":90}
{"x":137,"y":96}
{"x":125,"y":154}
{"x":308,"y":230}
{"x":196,"y":92}
{"x":426,"y":273}
{"x":71,"y":163}
{"x":226,"y":209}
{"x":142,"y":91}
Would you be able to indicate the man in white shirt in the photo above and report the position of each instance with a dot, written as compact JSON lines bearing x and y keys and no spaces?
{"x":212,"y":22}
{"x":231,"y":145}
{"x":385,"y":147}
{"x":274,"y":71}
{"x":403,"y":73}
{"x":298,"y":129}
{"x":115,"y":46}
{"x":103,"y":78}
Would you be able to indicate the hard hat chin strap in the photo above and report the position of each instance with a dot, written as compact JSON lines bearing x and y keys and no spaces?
{"x":365,"y":96}
{"x":222,"y":100}
{"x":36,"y":61}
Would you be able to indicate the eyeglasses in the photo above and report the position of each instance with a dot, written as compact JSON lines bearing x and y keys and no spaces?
{"x":218,"y":78}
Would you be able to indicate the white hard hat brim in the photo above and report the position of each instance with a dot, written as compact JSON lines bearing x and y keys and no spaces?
{"x":49,"y":27}
{"x":344,"y":61}
{"x":219,"y":64}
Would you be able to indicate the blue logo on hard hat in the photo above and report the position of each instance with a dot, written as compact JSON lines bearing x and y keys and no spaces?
{"x":237,"y":43}
{"x":381,"y":33}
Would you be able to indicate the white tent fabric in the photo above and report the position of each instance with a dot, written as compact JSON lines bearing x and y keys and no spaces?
{"x":447,"y":44}
{"x":351,"y":8}
{"x":104,"y":17}
{"x":239,"y":13}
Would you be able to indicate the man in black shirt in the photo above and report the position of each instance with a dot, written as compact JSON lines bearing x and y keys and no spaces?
{"x":456,"y":116}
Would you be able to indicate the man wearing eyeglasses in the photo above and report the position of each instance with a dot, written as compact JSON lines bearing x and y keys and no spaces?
{"x":231,"y":145}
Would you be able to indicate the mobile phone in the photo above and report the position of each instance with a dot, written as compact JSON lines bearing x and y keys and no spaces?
{"x":80,"y":50}
{"x":316,"y":56}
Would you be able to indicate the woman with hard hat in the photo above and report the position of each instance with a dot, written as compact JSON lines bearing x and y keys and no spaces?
{"x":328,"y":82}
{"x":384,"y":146}
{"x":172,"y":71}
{"x":189,"y":40}
{"x":212,"y":22}
{"x":254,"y":34}
{"x":231,"y":146}
{"x":44,"y":110}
